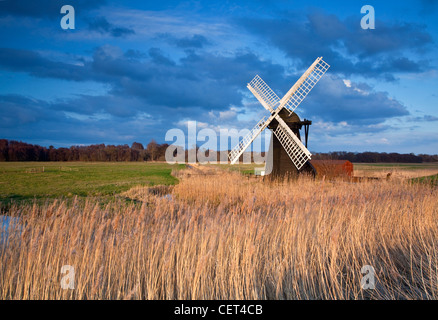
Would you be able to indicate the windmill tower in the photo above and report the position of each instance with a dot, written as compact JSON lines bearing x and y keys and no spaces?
{"x":289,"y":154}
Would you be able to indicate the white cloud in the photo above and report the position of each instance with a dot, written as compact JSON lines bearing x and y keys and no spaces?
{"x":347,"y":83}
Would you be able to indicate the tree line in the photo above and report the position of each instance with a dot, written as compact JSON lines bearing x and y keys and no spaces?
{"x":11,"y":150}
{"x":376,"y":157}
{"x":21,"y":151}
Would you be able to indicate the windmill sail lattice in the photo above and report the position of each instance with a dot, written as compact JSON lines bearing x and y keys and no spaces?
{"x":263,"y":93}
{"x":248,"y":139}
{"x":296,"y":151}
{"x":294,"y":148}
{"x":303,"y":86}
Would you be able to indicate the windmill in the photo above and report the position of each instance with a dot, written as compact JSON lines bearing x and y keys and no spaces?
{"x":283,"y":122}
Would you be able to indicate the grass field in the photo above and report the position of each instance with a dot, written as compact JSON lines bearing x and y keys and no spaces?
{"x":223,"y":235}
{"x":422,"y":172}
{"x":41,"y":180}
{"x":399,"y":170}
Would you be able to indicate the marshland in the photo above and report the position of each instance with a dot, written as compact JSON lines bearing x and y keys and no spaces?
{"x":217,"y":233}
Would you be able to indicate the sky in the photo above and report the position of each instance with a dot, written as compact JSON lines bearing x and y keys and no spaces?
{"x":133,"y":70}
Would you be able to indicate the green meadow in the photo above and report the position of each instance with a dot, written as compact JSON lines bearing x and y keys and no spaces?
{"x":26,"y":181}
{"x":395,"y":166}
{"x":41,"y":180}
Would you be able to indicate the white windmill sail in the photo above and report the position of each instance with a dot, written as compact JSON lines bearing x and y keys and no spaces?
{"x":247,"y":140}
{"x":294,"y":148}
{"x":302,"y":87}
{"x":263,"y":93}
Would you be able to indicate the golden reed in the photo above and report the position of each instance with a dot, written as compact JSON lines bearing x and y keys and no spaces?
{"x":221,"y":235}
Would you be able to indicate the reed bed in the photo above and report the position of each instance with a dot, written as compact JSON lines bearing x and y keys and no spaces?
{"x":395,"y":173}
{"x":227,"y":236}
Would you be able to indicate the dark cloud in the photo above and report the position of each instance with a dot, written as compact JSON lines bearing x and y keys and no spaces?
{"x":428,"y":7}
{"x":201,"y":80}
{"x":378,"y":53}
{"x":101,"y":25}
{"x":143,"y":86}
{"x":45,"y":8}
{"x":34,"y":64}
{"x":140,"y":84}
{"x":425,"y":118}
{"x":195,"y":41}
{"x":135,"y":54}
{"x":158,"y":57}
{"x":110,"y":65}
{"x":78,"y":120}
{"x":404,"y":65}
{"x":88,"y":105}
{"x":152,"y":88}
{"x":386,"y":38}
{"x":332,"y":100}
{"x":17,"y":110}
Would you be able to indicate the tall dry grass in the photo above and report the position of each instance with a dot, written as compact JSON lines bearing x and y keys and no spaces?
{"x":225,"y":236}
{"x":395,"y":173}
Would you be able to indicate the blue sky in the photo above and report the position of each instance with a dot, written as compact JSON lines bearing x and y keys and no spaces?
{"x":131,"y":70}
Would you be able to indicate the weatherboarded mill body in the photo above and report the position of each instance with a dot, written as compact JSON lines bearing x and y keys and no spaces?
{"x":279,"y":164}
